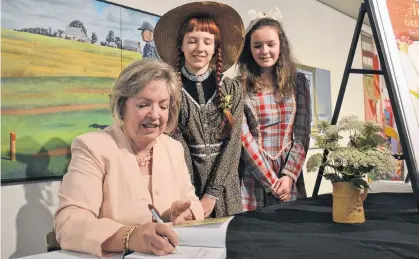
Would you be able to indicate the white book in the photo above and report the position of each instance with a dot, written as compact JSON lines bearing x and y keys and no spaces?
{"x":203,"y":239}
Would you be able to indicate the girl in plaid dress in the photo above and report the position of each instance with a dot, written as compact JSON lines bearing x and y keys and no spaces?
{"x":277,"y":121}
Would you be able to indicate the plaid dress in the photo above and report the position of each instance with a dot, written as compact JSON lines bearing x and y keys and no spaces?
{"x":275,"y":139}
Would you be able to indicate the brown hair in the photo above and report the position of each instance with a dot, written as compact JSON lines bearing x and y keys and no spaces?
{"x":285,"y":69}
{"x":205,"y":24}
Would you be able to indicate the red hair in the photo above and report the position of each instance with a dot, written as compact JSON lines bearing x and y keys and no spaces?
{"x":207,"y":25}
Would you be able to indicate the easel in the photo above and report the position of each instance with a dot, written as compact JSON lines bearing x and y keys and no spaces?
{"x":412,"y":173}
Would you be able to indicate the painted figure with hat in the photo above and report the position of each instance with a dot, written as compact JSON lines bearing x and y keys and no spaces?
{"x":277,"y":122}
{"x":149,"y":50}
{"x":202,"y":40}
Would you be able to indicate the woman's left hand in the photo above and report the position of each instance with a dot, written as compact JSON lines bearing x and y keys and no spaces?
{"x":284,"y":187}
{"x":180,"y":212}
{"x":208,"y":205}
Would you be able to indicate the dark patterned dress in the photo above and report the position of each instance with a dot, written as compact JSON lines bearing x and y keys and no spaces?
{"x":212,"y":160}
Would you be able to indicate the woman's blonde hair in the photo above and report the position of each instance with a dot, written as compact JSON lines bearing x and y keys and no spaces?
{"x":135,"y":77}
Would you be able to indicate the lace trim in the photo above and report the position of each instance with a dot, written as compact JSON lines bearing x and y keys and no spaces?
{"x":195,"y":78}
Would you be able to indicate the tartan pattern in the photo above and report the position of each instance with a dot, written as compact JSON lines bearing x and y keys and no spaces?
{"x":275,"y":138}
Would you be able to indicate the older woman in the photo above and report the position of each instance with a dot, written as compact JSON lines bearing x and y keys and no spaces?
{"x":114,"y":174}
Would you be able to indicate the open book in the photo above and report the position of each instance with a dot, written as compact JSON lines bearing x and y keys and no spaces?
{"x":203,"y":239}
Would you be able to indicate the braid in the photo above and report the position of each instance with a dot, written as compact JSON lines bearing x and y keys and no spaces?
{"x":227,"y":123}
{"x":178,"y":65}
{"x":218,"y":68}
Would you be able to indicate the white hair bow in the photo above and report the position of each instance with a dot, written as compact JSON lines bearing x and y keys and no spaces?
{"x":255,"y":16}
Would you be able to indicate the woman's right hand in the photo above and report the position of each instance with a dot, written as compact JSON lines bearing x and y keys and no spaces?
{"x":151,"y":237}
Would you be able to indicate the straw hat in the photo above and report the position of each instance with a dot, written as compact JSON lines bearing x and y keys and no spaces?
{"x":228,"y":20}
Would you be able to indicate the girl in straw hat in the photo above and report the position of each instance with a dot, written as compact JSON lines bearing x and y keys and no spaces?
{"x":277,"y":121}
{"x":202,"y":40}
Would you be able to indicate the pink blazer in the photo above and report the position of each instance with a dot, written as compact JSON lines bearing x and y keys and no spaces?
{"x":104,"y":188}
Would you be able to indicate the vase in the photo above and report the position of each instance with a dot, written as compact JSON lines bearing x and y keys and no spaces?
{"x":348,"y":203}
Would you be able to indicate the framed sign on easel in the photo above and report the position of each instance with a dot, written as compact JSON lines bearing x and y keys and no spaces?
{"x":393,"y":38}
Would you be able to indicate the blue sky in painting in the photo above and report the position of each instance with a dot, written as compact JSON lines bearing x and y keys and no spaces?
{"x":100,"y":6}
{"x":98,"y":17}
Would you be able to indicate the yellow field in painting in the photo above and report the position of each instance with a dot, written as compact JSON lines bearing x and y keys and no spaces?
{"x":31,"y":55}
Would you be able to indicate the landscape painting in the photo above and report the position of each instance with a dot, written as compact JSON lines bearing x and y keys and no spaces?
{"x":59,"y":61}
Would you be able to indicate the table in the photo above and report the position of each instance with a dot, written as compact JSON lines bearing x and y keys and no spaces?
{"x":304,"y":229}
{"x":62,"y":254}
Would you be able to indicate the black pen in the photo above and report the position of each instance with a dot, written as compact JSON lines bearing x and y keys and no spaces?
{"x":159,"y":220}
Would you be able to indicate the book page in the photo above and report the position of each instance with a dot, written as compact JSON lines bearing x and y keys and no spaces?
{"x":185,"y":252}
{"x":204,"y":239}
{"x":213,"y":221}
{"x":204,"y":233}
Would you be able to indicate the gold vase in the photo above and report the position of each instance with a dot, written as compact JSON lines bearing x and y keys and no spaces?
{"x":348,"y":203}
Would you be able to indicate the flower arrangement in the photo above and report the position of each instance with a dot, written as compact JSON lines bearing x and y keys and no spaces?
{"x":367,"y":152}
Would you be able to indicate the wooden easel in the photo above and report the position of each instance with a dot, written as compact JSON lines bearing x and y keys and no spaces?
{"x":407,"y":151}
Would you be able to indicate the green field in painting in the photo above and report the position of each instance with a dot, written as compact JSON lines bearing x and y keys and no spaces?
{"x":51,"y":91}
{"x":32,"y":55}
{"x":38,"y":135}
{"x":25,"y":93}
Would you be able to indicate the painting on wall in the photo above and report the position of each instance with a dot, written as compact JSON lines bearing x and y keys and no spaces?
{"x":377,"y":104}
{"x":320,"y":92}
{"x":396,"y":22}
{"x":59,"y":62}
{"x":319,"y":82}
{"x":404,"y":17}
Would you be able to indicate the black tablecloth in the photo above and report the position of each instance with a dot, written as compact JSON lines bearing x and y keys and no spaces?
{"x":305,"y":229}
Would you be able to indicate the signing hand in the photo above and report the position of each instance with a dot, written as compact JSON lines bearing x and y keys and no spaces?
{"x":151,"y":237}
{"x":208,"y":205}
{"x":282,"y":188}
{"x":180,"y":212}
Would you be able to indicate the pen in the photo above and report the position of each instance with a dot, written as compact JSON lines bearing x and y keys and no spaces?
{"x":159,"y":220}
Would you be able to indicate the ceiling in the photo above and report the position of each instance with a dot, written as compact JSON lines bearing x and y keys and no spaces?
{"x":348,"y":7}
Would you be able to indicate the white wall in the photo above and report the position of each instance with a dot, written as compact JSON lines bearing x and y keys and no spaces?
{"x":26,"y":217}
{"x":320,"y":37}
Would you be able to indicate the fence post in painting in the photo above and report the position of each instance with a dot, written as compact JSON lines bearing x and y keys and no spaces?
{"x":12,"y":146}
